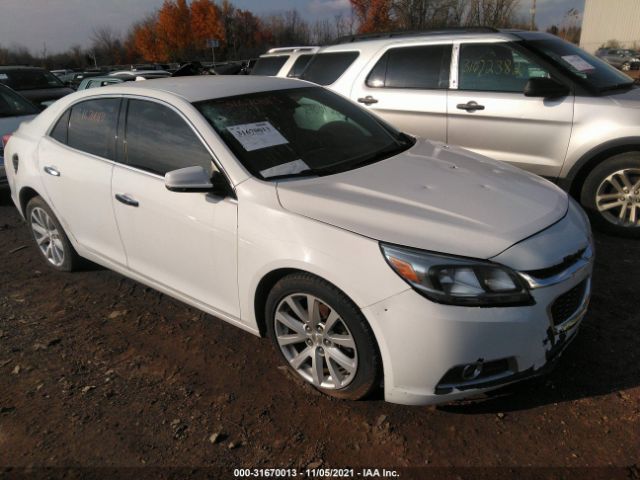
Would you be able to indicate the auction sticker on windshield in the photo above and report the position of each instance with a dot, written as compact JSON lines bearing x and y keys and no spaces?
{"x":255,"y":136}
{"x":578,"y":63}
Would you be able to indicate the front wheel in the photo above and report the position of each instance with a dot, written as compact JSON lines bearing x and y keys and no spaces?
{"x":323,"y":336}
{"x":611,"y":195}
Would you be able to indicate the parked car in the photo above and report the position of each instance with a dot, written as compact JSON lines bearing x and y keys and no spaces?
{"x":284,"y":62}
{"x":526,"y":98}
{"x":620,"y":58}
{"x":288,"y":210}
{"x":120,"y":77}
{"x":78,"y":77}
{"x":14,"y":109}
{"x":96,"y":82}
{"x":37,"y":85}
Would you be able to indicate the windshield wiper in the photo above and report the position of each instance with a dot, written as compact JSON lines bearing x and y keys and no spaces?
{"x":617,"y":86}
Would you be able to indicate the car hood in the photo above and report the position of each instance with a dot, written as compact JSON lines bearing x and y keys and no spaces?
{"x":432,"y":197}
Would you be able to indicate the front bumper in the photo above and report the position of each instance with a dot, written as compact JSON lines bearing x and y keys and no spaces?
{"x":424,"y":344}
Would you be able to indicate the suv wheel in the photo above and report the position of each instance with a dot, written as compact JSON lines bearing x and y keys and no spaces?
{"x":323,"y":336}
{"x":611,"y":195}
{"x":50,"y":238}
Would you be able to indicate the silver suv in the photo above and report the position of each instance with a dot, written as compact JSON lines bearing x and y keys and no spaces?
{"x":526,"y":98}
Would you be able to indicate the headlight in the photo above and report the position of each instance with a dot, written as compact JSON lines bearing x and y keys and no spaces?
{"x":457,"y":280}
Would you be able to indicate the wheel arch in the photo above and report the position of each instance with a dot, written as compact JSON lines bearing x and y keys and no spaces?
{"x":25,"y":196}
{"x":577,"y":175}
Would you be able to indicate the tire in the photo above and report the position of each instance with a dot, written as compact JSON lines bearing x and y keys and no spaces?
{"x":347,"y":373}
{"x":610,"y":207}
{"x":51,"y":240}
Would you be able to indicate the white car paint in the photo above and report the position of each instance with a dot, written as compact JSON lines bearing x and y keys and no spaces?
{"x":213,"y":253}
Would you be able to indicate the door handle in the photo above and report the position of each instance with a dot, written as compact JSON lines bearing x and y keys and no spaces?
{"x":368,"y":100}
{"x":52,"y":171}
{"x":127,"y":200}
{"x":470,"y":106}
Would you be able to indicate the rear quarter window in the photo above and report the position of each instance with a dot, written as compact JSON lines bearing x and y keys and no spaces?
{"x":326,"y":68}
{"x":300,"y":64}
{"x":269,"y":66}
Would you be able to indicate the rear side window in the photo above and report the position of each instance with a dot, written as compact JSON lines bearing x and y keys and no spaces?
{"x":61,"y":129}
{"x":326,"y":68}
{"x":92,"y":127}
{"x":424,"y":67}
{"x":269,"y":66}
{"x":299,"y":65}
{"x":159,"y":140}
{"x":13,"y":105}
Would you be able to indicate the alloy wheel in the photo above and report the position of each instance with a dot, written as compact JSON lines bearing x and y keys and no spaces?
{"x":316,"y":341}
{"x":618,"y":198}
{"x":47,"y":236}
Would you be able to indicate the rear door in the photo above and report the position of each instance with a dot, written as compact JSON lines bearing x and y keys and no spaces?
{"x":76,"y":161}
{"x":407,"y":86}
{"x":183,"y":241}
{"x":489,"y":113}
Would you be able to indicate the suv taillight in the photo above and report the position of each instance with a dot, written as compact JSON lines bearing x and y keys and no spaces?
{"x":5,"y":140}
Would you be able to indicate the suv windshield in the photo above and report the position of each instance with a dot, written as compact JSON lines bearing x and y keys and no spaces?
{"x":300,"y":132}
{"x":13,"y":105}
{"x":587,"y":69}
{"x":30,"y":79}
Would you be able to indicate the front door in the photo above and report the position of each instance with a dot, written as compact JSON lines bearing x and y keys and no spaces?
{"x":489,"y":113}
{"x":186,"y":242}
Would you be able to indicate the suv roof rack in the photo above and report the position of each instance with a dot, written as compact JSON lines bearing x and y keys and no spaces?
{"x":414,"y":33}
{"x":307,"y":48}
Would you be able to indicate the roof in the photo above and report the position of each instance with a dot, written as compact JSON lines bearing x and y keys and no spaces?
{"x":18,"y":67}
{"x":206,"y":87}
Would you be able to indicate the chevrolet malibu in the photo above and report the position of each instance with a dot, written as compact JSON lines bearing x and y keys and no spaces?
{"x":367,"y":256}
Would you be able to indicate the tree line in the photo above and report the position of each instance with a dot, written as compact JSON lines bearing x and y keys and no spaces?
{"x":179,"y":30}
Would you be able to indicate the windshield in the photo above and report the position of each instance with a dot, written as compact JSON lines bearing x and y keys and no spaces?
{"x":13,"y":105}
{"x":301,"y":131}
{"x":27,"y":79}
{"x":585,"y":68}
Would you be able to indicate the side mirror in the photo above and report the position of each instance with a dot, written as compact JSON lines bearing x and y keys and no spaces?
{"x":190,"y":179}
{"x":545,"y":88}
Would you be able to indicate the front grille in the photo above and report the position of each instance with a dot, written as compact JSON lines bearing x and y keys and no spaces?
{"x":567,"y":304}
{"x":559,"y":268}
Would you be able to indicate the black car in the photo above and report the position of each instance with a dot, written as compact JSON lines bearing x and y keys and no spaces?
{"x":38,"y":85}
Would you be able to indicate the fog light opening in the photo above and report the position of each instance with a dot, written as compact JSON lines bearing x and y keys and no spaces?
{"x":472,"y":370}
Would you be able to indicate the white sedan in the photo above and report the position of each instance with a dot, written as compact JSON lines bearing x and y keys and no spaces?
{"x":366,"y":255}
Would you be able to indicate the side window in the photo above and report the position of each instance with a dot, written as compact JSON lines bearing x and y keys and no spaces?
{"x":269,"y":66}
{"x":92,"y":127}
{"x":61,"y":129}
{"x":326,"y":68}
{"x":424,"y":67}
{"x":495,"y":67}
{"x":299,"y":65}
{"x":158,"y":140}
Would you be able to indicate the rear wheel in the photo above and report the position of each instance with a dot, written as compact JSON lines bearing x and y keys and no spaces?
{"x":323,"y":336}
{"x":611,"y":195}
{"x":51,"y":240}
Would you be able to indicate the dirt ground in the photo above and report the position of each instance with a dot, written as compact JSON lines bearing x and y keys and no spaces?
{"x":99,"y":371}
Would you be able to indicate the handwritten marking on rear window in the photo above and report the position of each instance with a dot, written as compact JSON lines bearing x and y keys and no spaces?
{"x":255,"y":136}
{"x":92,"y":116}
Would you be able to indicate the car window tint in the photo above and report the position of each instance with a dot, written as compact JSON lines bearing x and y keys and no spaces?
{"x":269,"y":66}
{"x":92,"y":127}
{"x":300,"y":64}
{"x":425,"y":67}
{"x":61,"y":129}
{"x":13,"y":105}
{"x":158,"y":140}
{"x":495,"y":67}
{"x":326,"y":68}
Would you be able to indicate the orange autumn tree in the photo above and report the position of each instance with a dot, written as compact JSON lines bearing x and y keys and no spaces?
{"x":175,"y":39}
{"x":373,"y":15}
{"x":206,"y":23}
{"x":143,"y":41}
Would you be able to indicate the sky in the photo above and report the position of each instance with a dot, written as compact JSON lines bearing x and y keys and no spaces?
{"x":59,"y":24}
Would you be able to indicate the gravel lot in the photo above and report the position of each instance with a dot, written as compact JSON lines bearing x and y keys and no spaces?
{"x":98,"y":370}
